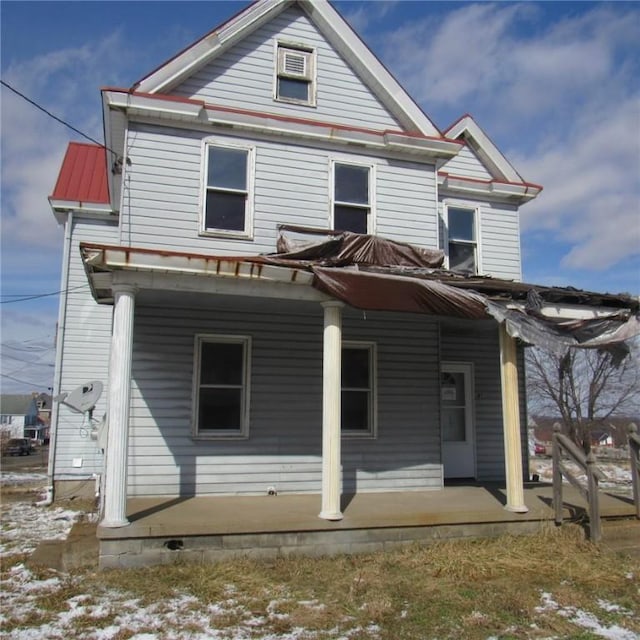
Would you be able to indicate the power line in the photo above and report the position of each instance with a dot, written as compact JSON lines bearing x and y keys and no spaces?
{"x":31,"y":384}
{"x":42,"y":295}
{"x":51,"y":115}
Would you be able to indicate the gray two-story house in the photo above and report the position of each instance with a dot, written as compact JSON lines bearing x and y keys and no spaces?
{"x":283,"y":273}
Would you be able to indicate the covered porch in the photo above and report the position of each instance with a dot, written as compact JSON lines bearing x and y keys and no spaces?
{"x":205,"y":529}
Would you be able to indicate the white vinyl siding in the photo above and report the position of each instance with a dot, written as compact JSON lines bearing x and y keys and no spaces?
{"x":466,"y":164}
{"x":86,"y":348}
{"x":161,"y":205}
{"x":284,"y":445}
{"x":244,"y":76}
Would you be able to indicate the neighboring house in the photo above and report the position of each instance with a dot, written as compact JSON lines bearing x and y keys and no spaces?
{"x":19,"y":416}
{"x":346,"y":363}
{"x":610,"y":432}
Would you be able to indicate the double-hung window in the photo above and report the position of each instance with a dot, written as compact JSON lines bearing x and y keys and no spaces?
{"x":358,"y":389}
{"x":295,"y":74}
{"x":462,"y":239}
{"x":221,"y":386}
{"x":228,"y":193}
{"x":352,"y":198}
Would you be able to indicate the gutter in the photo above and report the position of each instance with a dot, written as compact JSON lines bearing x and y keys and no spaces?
{"x":57,"y":381}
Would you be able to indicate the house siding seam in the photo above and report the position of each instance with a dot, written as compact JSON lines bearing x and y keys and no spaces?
{"x":284,"y":445}
{"x":245,"y":75}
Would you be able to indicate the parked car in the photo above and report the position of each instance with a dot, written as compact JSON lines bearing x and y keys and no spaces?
{"x":19,"y":447}
{"x":540,"y":449}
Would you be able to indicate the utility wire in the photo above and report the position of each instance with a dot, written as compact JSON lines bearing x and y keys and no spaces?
{"x":31,"y":384}
{"x":51,"y":115}
{"x":43,"y":295}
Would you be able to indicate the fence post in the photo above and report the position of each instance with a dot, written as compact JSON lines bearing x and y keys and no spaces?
{"x":594,"y":499}
{"x":634,"y":460}
{"x":557,"y":475}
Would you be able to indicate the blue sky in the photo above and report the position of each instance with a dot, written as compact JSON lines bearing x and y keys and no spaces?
{"x":555,"y":85}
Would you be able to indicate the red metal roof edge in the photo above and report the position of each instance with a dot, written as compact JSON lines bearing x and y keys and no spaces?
{"x":83,"y":175}
{"x":276,"y":116}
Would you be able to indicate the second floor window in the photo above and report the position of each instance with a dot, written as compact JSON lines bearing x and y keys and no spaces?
{"x":351,"y":198}
{"x":462,"y":235}
{"x":227,"y":206}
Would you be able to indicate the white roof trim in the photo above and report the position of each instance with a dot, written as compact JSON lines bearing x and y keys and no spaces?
{"x":61,"y":208}
{"x":211,"y":45}
{"x":198,"y":113}
{"x":478,"y":140}
{"x":330,"y":23}
{"x":473,"y":187}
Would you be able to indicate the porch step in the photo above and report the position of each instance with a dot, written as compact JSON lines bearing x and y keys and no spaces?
{"x":621,"y":535}
{"x":80,"y":549}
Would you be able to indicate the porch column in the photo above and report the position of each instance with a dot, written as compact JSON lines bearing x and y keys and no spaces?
{"x":511,"y":423}
{"x":331,"y":392}
{"x":115,"y":481}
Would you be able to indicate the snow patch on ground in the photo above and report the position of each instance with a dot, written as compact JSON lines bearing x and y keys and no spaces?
{"x":587,"y":620}
{"x":11,"y":478}
{"x":618,"y":474}
{"x":25,"y":525}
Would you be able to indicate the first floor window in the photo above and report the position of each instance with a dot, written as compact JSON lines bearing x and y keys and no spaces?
{"x":227,"y":203}
{"x":221,"y":386}
{"x":462,"y":237}
{"x":351,"y":198}
{"x":358,"y":389}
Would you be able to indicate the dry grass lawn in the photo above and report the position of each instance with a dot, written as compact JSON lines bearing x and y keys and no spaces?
{"x":492,"y":588}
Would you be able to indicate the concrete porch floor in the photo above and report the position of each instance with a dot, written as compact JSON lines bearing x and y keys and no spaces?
{"x":210,"y":528}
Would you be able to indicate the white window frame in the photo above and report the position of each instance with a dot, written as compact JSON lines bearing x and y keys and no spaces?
{"x":281,"y":47}
{"x":222,"y":434}
{"x":371,"y":217}
{"x":455,"y":204}
{"x":372,"y":432}
{"x":247,"y":232}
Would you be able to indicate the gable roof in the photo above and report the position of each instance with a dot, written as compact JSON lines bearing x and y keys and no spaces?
{"x":329,"y":22}
{"x":83,"y":175}
{"x":16,"y":404}
{"x":496,"y":163}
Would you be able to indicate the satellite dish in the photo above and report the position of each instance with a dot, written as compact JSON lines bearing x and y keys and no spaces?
{"x":82,"y":398}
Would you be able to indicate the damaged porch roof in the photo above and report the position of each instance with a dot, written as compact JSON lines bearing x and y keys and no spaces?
{"x":373,"y":273}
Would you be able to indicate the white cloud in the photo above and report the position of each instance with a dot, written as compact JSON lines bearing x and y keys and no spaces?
{"x":560,"y":98}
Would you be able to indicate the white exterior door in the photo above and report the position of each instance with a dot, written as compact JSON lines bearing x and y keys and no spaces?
{"x":456,"y":415}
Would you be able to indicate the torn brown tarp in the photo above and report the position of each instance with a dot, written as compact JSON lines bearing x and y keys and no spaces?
{"x":376,"y":291}
{"x":372,"y":273}
{"x":347,"y":249}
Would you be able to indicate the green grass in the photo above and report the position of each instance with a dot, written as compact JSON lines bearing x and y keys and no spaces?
{"x":456,"y":589}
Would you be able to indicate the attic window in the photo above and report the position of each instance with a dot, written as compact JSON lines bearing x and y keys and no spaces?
{"x":295,"y":75}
